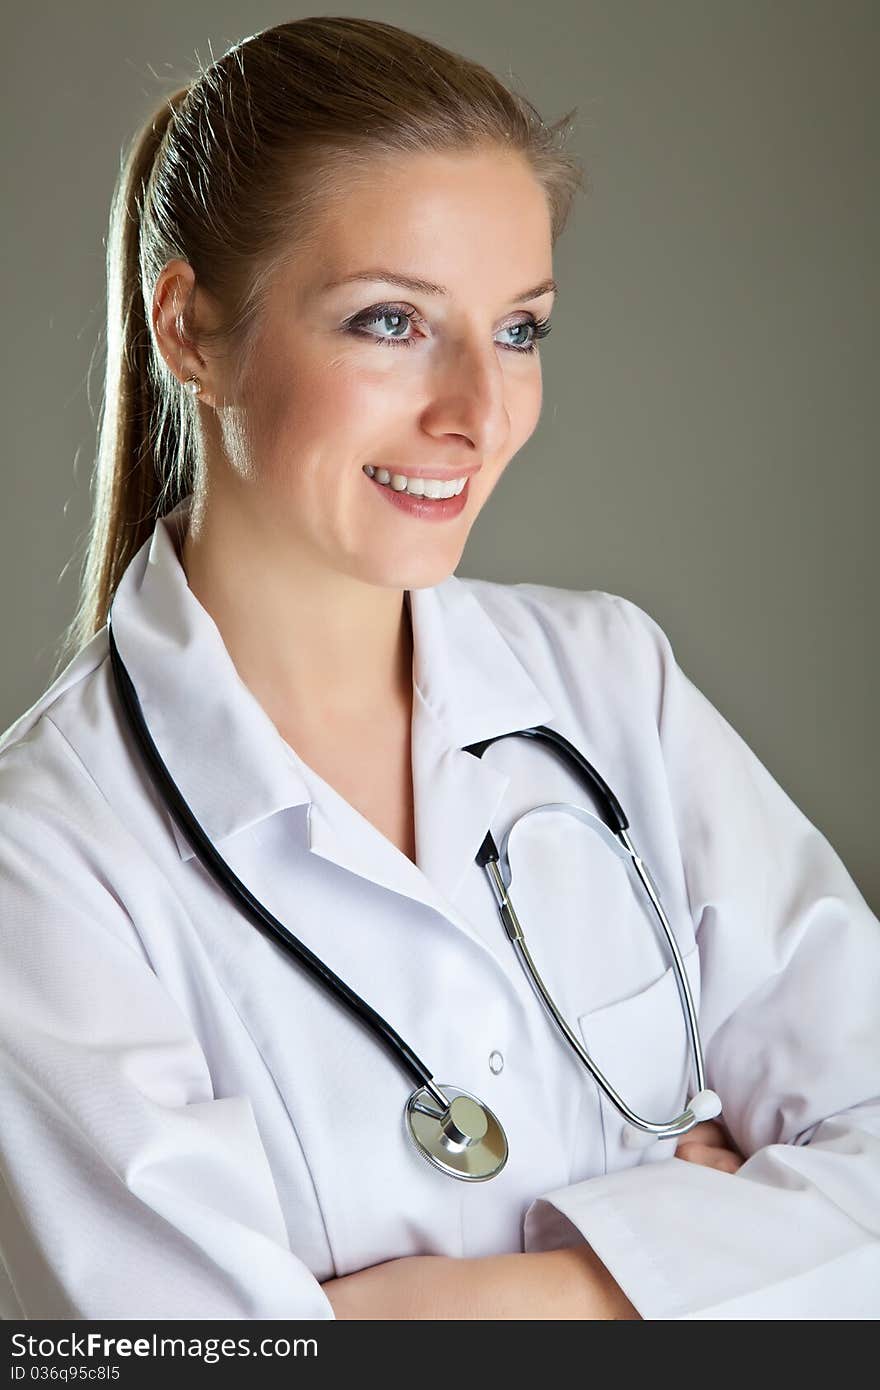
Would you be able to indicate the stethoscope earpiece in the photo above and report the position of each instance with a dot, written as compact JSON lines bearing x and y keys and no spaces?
{"x":705,"y":1105}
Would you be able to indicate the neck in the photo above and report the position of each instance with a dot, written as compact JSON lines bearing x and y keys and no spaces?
{"x":312,"y":645}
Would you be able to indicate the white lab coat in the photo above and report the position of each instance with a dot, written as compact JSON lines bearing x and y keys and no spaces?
{"x":191,"y":1128}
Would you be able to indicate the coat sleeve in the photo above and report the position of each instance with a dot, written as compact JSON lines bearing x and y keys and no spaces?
{"x":790,"y":968}
{"x":127,"y":1190}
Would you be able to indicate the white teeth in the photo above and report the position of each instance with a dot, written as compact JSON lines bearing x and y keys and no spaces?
{"x":434,"y":488}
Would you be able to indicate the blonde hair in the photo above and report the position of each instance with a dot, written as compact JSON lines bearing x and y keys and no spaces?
{"x":229,"y":166}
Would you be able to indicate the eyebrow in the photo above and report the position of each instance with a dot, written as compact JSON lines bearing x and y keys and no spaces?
{"x":411,"y":282}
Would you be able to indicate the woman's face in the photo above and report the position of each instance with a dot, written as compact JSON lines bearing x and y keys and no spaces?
{"x":349,"y":375}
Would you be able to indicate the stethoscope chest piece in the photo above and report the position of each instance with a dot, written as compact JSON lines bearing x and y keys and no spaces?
{"x":466,"y":1141}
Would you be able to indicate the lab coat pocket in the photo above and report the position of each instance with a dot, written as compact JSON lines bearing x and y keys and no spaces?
{"x":641,"y":1046}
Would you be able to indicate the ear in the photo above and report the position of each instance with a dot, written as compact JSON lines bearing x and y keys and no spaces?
{"x":177,"y":306}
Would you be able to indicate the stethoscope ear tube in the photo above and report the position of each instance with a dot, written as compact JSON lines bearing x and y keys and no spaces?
{"x":705,"y":1102}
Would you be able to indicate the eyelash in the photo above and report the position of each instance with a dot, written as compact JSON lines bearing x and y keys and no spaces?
{"x":359,"y":323}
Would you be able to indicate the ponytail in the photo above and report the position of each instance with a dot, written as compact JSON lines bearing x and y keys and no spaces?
{"x":141,"y":468}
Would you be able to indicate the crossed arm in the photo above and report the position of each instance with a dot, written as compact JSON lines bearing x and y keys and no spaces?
{"x":537,"y":1285}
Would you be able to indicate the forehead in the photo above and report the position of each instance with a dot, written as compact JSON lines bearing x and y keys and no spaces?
{"x":450,"y":218}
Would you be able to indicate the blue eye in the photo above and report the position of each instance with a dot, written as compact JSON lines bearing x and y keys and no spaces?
{"x":377,"y":315}
{"x":359,"y":324}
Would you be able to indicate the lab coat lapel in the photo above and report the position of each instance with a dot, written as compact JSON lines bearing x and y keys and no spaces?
{"x":455,"y":796}
{"x":231,"y":765}
{"x":467,"y":685}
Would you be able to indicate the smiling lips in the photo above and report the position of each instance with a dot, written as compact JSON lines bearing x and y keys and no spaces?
{"x":435,"y":488}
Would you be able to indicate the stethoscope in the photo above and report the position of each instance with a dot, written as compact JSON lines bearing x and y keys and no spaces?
{"x":457,"y":1133}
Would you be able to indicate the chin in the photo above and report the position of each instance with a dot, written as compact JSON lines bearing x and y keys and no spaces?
{"x":416,"y":572}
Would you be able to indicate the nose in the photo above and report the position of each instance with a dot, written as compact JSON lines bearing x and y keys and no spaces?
{"x":469,"y":395}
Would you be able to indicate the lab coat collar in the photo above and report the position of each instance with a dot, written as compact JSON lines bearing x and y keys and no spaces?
{"x":233,"y":767}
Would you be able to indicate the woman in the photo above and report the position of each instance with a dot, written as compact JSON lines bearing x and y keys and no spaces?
{"x":329,"y":266}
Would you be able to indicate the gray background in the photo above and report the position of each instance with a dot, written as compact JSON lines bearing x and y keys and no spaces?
{"x":706,"y":445}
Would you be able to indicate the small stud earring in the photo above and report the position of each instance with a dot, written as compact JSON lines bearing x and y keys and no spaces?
{"x":193,"y":385}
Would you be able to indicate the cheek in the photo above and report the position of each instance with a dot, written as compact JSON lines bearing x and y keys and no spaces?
{"x":307,"y":411}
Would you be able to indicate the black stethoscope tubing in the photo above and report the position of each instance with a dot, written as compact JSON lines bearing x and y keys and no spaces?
{"x":264,"y":919}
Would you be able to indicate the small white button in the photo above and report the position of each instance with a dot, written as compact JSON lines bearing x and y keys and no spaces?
{"x":496,"y":1062}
